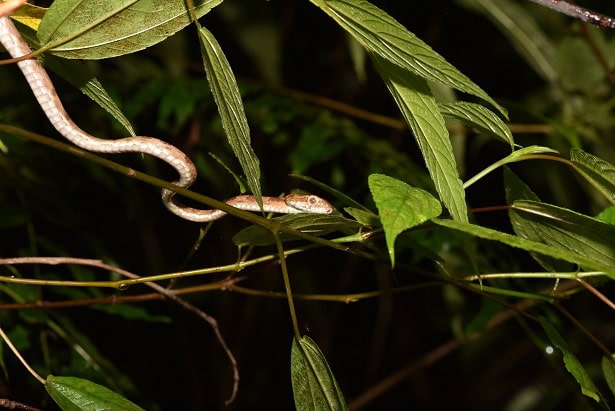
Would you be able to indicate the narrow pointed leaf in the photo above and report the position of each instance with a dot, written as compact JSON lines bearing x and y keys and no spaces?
{"x":422,"y":114}
{"x":314,"y":385}
{"x":572,"y":363}
{"x":384,"y":36}
{"x":567,"y":230}
{"x":228,"y":99}
{"x":598,"y":172}
{"x":516,"y":189}
{"x":76,"y":394}
{"x":479,"y":117}
{"x":114,"y":27}
{"x":77,"y":74}
{"x":527,"y":245}
{"x":400,"y":207}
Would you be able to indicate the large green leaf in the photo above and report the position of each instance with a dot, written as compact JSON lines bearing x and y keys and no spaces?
{"x":598,"y":172}
{"x":228,"y":99}
{"x":108,"y":28}
{"x":572,"y":363}
{"x":516,"y":189}
{"x":400,"y":207}
{"x":382,"y":35}
{"x":567,"y":230}
{"x":528,"y":245}
{"x":76,"y":394}
{"x":314,"y":385}
{"x":422,"y":114}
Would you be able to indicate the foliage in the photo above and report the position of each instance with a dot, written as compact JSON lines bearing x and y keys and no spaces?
{"x":447,"y":239}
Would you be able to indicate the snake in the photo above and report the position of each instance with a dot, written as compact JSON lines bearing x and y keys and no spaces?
{"x":49,"y":101}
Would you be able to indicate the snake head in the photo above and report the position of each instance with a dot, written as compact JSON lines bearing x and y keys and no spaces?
{"x":308,"y":203}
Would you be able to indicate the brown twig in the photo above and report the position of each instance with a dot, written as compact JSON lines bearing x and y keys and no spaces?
{"x":579,"y":13}
{"x":597,"y":293}
{"x":14,"y":405}
{"x":167,"y":293}
{"x":225,"y":284}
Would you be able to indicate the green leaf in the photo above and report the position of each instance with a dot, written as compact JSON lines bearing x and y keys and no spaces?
{"x":382,"y":35}
{"x":607,"y":215}
{"x":359,"y":57}
{"x":76,"y":394}
{"x":78,"y":74}
{"x":364,"y":217}
{"x":567,"y":230}
{"x":111,"y":28}
{"x":525,"y":35}
{"x":527,"y":245}
{"x":516,"y":189}
{"x":315,"y":224}
{"x":598,"y":172}
{"x":228,"y":99}
{"x":400,"y":207}
{"x":479,"y":117}
{"x":608,"y":369}
{"x":572,"y":363}
{"x":422,"y":114}
{"x":314,"y":385}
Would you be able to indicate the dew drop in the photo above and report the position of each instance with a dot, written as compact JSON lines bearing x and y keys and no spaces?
{"x":122,"y":286}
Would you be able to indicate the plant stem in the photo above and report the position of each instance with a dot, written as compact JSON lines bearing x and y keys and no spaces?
{"x":18,"y":355}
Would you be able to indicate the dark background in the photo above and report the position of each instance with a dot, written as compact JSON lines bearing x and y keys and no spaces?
{"x":58,"y":205}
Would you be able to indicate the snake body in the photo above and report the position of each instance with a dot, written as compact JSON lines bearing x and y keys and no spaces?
{"x":50,"y":103}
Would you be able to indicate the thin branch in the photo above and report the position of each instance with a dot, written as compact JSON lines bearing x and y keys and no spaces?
{"x":584,"y":330}
{"x":14,"y":405}
{"x":597,"y":293}
{"x":167,"y":293}
{"x":225,"y":284}
{"x":579,"y":13}
{"x":9,"y":343}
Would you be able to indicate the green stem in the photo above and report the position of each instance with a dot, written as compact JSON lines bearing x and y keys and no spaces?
{"x":289,"y":294}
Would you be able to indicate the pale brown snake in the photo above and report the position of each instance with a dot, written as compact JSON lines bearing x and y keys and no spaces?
{"x":47,"y":98}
